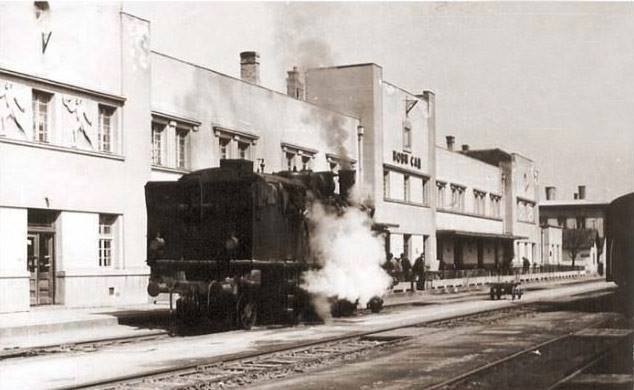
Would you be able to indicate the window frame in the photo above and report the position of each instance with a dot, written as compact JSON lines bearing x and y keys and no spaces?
{"x":158,"y":153}
{"x":110,"y":112}
{"x":36,"y":104}
{"x":182,"y":157}
{"x":407,"y":135}
{"x":107,"y":250}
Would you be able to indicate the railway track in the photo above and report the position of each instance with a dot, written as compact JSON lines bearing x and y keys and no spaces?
{"x":553,"y":363}
{"x":252,"y":368}
{"x":81,"y":346}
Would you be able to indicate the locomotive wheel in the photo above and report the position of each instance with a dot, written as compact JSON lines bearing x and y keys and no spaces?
{"x":246,"y":311}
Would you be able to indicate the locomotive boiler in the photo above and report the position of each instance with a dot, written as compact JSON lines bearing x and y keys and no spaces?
{"x":232,"y":244}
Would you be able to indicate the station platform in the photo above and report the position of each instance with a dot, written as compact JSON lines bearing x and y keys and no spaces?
{"x":53,"y":325}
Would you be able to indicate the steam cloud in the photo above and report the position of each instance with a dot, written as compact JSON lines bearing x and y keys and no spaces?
{"x":350,"y":256}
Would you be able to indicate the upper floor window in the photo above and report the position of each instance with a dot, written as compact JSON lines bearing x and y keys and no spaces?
{"x":407,"y":135}
{"x":235,"y":144}
{"x":479,"y":199}
{"x":386,"y":184}
{"x":440,"y":194}
{"x":406,"y":188}
{"x":107,"y":239}
{"x":244,"y":150}
{"x":495,"y":206}
{"x":457,"y":197}
{"x":158,"y":144}
{"x":106,"y":128}
{"x":41,"y":115}
{"x":223,"y":145}
{"x":182,"y":148}
{"x":525,"y":211}
{"x":171,"y":145}
{"x":299,"y":158}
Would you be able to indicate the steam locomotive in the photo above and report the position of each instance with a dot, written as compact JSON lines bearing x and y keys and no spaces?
{"x":620,"y":247}
{"x":233,"y":243}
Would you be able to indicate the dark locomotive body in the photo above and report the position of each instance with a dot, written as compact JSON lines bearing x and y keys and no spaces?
{"x":233,"y":243}
{"x":620,"y":246}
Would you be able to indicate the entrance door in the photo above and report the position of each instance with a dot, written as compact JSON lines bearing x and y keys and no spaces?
{"x":41,"y":266}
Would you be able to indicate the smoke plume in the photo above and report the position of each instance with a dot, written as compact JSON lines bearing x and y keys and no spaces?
{"x":350,"y":256}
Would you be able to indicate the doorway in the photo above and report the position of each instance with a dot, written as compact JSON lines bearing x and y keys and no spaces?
{"x":41,"y":257}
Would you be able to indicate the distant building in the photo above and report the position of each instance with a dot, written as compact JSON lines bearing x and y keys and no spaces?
{"x":470,"y":212}
{"x":552,"y":245}
{"x":520,"y":183}
{"x":577,"y":214}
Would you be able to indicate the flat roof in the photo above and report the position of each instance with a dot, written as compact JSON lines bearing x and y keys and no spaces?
{"x":464,"y":233}
{"x":572,"y":203}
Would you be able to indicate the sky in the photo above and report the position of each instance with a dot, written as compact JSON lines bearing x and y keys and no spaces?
{"x":551,"y":81}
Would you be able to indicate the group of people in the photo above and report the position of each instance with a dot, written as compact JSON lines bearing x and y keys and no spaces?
{"x":402,"y":270}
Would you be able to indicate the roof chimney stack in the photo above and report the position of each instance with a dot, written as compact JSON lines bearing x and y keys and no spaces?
{"x":551,"y":193}
{"x":294,"y":85}
{"x":465,"y":147}
{"x":451,"y":140}
{"x":250,"y":67}
{"x":582,"y":192}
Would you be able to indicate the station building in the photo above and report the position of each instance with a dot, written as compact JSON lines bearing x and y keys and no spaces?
{"x":398,"y":155}
{"x":89,"y":114}
{"x":520,"y":199}
{"x":470,"y":212}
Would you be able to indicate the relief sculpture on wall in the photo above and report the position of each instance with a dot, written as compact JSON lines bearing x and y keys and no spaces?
{"x":11,"y":110}
{"x":80,"y":122}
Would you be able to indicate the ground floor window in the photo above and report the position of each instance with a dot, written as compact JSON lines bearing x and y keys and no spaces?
{"x":107,"y":239}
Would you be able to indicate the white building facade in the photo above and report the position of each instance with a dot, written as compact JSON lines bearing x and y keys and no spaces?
{"x":88,"y":115}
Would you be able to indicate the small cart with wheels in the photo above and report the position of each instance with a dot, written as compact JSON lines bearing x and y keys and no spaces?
{"x":500,"y":288}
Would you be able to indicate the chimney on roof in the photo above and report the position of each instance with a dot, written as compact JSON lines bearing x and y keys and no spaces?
{"x":551,"y":193}
{"x":465,"y":147}
{"x":582,"y":192}
{"x":451,"y":140}
{"x":250,"y":67}
{"x":294,"y":85}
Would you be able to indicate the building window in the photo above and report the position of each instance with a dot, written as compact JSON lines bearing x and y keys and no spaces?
{"x":525,"y":211}
{"x":479,"y":202}
{"x":290,"y":161}
{"x":386,"y":184}
{"x":41,"y":114}
{"x":426,"y":191}
{"x":293,"y":156}
{"x":235,"y":144}
{"x":495,"y":206}
{"x":440,"y":194}
{"x":406,"y":188}
{"x":306,"y":163}
{"x":457,"y":197}
{"x":107,"y":230}
{"x":182,"y":148}
{"x":223,"y":145}
{"x":158,"y":129}
{"x":243,"y":150}
{"x":106,"y":128}
{"x":407,"y":135}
